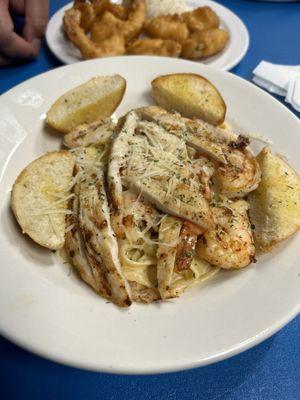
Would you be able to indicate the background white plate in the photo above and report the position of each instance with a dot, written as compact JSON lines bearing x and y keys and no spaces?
{"x":233,"y":53}
{"x":45,"y":308}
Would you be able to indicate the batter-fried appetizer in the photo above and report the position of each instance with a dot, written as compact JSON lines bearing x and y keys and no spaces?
{"x":100,"y":28}
{"x":156,"y":47}
{"x":167,"y":27}
{"x":200,"y":19}
{"x":204,"y":43}
{"x":112,"y":45}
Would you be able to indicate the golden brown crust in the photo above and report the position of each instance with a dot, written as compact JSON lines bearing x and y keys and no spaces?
{"x":192,"y":95}
{"x":35,"y":190}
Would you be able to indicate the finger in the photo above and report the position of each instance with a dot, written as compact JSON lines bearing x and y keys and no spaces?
{"x":17,"y":6}
{"x":4,"y":61}
{"x":36,"y":17}
{"x":11,"y":45}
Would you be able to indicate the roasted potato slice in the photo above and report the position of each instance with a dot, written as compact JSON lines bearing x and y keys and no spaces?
{"x":191,"y":95}
{"x":275,"y":204}
{"x":96,"y":99}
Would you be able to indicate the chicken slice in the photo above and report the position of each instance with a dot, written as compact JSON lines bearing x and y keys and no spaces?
{"x":169,"y":232}
{"x":159,"y":168}
{"x":74,"y":244}
{"x":98,"y":132}
{"x":197,"y":134}
{"x":143,"y":294}
{"x":117,"y":160}
{"x":101,"y":246}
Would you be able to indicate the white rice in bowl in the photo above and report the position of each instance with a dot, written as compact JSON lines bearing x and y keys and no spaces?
{"x":166,"y":7}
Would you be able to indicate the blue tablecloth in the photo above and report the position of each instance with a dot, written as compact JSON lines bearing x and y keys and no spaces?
{"x":270,"y":371}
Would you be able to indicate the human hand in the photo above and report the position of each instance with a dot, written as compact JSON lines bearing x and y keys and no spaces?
{"x":14,"y":46}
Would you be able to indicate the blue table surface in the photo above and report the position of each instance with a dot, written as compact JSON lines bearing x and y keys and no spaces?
{"x":269,"y":371}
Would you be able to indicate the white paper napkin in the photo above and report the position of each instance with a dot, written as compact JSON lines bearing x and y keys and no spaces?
{"x":283,"y":80}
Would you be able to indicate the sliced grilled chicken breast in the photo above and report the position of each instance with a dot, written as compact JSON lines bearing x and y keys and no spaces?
{"x":196,"y":133}
{"x":159,"y":168}
{"x":98,"y":132}
{"x":169,"y":232}
{"x":74,"y":245}
{"x":100,"y":242}
{"x":117,"y":160}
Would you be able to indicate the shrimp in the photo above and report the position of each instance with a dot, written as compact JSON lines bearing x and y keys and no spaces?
{"x":136,"y":17}
{"x":241,"y":174}
{"x":131,"y":27}
{"x":205,"y":169}
{"x":230,"y":244}
{"x":111,"y":46}
{"x":90,"y":11}
{"x":118,"y":10}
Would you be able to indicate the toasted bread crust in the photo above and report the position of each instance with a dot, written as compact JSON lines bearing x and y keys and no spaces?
{"x":192,"y":95}
{"x":39,"y":198}
{"x":94,"y":100}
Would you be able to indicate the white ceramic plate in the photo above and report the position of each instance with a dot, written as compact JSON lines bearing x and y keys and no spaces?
{"x":45,"y":308}
{"x":233,"y":53}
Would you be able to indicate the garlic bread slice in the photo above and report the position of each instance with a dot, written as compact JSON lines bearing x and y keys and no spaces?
{"x":96,"y":99}
{"x":40,"y":196}
{"x":192,"y":95}
{"x":275,"y":204}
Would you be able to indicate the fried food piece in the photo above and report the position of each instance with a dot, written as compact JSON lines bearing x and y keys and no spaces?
{"x":118,"y":10}
{"x":201,"y":18}
{"x":136,"y":18}
{"x":87,"y":14}
{"x":204,"y":43}
{"x":112,"y":46}
{"x":101,"y":32}
{"x":132,"y":27}
{"x":100,"y":6}
{"x":90,"y":11}
{"x":157,"y":47}
{"x":167,"y":27}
